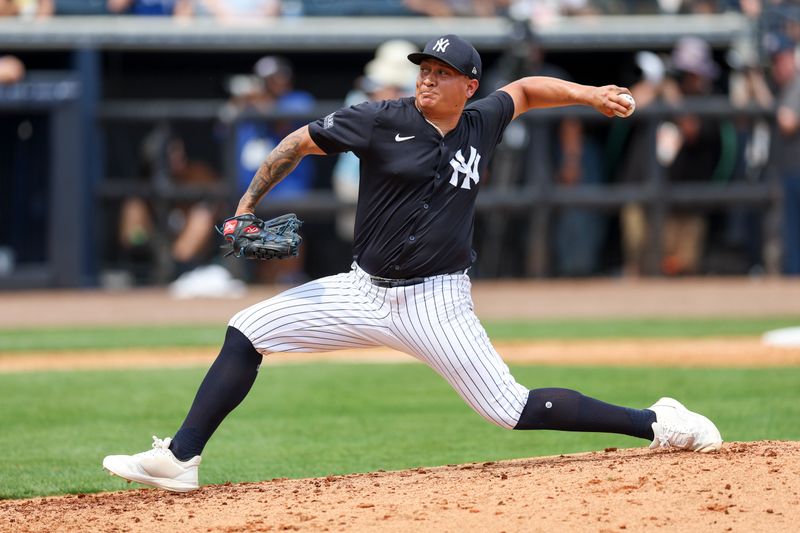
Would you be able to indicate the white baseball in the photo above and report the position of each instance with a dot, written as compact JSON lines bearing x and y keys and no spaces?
{"x":631,"y":105}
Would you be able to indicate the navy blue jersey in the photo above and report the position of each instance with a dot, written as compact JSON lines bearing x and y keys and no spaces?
{"x":417,"y":191}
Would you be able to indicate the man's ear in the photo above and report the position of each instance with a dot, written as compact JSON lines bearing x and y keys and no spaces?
{"x":472,"y":88}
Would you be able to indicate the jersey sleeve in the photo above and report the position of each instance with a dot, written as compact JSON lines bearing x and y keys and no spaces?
{"x":347,"y":130}
{"x":494,"y":113}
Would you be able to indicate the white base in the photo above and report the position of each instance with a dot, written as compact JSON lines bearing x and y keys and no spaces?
{"x":786,"y":337}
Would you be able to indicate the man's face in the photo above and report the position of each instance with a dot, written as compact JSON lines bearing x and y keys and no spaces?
{"x":278,"y":84}
{"x":441,"y":88}
{"x":694,"y":84}
{"x":783,"y":67}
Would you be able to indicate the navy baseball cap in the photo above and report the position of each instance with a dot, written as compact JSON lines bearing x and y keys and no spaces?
{"x":454,"y":51}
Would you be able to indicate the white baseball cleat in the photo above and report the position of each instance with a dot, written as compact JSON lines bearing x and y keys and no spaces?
{"x":678,"y":427}
{"x":157,"y":467}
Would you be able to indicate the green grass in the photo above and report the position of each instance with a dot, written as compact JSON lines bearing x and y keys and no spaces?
{"x":99,"y":338}
{"x":638,"y":328}
{"x":312,"y":420}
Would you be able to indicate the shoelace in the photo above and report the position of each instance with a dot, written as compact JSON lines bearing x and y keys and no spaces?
{"x":160,"y":446}
{"x":160,"y":443}
{"x":671,"y":436}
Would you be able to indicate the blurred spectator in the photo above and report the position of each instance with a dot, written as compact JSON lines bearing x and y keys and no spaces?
{"x":693,"y":148}
{"x":388,"y":76}
{"x":706,"y":154}
{"x":750,"y":8}
{"x":747,"y":87}
{"x":82,"y":7}
{"x":163,"y":8}
{"x":747,"y":83}
{"x":458,"y":8}
{"x":345,"y":8}
{"x":632,"y":7}
{"x":667,"y":7}
{"x":543,"y":13}
{"x":651,"y":88}
{"x":787,"y":146}
{"x":574,"y":158}
{"x":13,"y":8}
{"x":114,"y":7}
{"x":238,"y":9}
{"x":700,"y":7}
{"x":270,"y":88}
{"x":577,"y":233}
{"x":189,"y":224}
{"x":11,"y":70}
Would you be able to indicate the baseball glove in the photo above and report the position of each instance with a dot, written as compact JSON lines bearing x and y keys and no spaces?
{"x":252,"y":238}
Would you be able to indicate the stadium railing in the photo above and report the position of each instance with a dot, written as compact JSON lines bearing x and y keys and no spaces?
{"x":535,"y":197}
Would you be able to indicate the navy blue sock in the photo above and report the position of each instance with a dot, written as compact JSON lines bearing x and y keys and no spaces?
{"x":226,"y":384}
{"x":569,"y":410}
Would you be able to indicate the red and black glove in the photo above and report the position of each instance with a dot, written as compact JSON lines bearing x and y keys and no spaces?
{"x":252,"y":238}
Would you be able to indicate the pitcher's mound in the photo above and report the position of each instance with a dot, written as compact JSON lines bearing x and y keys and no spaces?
{"x":751,"y":486}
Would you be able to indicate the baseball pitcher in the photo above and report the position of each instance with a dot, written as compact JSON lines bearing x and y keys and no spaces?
{"x":422,"y":163}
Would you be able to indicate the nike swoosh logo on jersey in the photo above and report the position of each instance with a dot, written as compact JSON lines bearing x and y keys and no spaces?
{"x":401,"y":139}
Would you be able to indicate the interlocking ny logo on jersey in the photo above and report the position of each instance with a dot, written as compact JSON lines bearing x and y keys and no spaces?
{"x":441,"y":45}
{"x":469,"y":168}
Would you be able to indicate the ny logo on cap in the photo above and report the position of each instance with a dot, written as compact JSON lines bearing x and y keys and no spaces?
{"x":441,"y":45}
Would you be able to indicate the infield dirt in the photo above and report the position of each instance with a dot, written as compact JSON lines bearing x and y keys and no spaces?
{"x":501,"y":300}
{"x":744,"y":487}
{"x":726,"y":353}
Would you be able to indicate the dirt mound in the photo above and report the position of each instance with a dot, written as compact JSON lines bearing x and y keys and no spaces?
{"x":745,"y":487}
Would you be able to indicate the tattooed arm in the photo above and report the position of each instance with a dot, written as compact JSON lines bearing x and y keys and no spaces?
{"x":277,"y":166}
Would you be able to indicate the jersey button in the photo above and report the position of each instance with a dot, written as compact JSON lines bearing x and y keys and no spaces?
{"x":412,"y":238}
{"x":436,"y":177}
{"x":397,"y":267}
{"x":425,"y":206}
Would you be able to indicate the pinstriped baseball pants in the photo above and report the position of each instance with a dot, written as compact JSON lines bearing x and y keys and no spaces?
{"x":432,"y":321}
